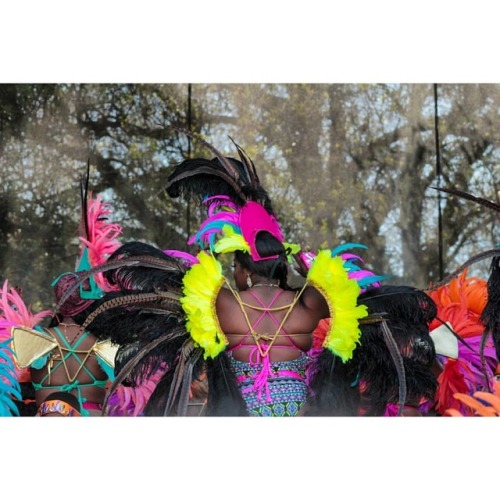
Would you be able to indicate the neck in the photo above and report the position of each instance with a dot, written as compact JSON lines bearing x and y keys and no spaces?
{"x":266,"y":283}
{"x":68,"y":322}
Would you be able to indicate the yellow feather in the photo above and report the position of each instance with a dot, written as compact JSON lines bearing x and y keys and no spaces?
{"x":330,"y":277}
{"x":201,"y":286}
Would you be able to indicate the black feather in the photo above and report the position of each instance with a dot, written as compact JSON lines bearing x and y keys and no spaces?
{"x":407,"y":312}
{"x":490,"y":316}
{"x":224,"y":176}
{"x":487,"y":254}
{"x":197,"y":178}
{"x":224,"y":396}
{"x":178,"y":395}
{"x":462,"y":194}
{"x":84,"y":194}
{"x":334,"y":389}
{"x":142,"y":365}
{"x":251,"y":174}
{"x":397,"y":359}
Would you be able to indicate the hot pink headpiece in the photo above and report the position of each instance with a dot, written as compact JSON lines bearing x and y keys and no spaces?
{"x":254,"y":218}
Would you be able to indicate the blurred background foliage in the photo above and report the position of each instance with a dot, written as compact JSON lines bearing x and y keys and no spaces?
{"x":342,"y":163}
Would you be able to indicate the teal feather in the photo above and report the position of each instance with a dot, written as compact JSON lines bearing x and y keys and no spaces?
{"x":346,"y":246}
{"x":371,"y":279}
{"x":9,"y":385}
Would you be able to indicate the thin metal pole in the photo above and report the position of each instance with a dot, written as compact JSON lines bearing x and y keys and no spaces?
{"x":438,"y":173}
{"x":189,"y":125}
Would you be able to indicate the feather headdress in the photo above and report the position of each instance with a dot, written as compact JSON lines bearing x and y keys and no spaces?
{"x":98,"y":240}
{"x":222,"y":176}
{"x":237,"y":204}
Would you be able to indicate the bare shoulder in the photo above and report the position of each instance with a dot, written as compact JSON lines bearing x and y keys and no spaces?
{"x":224,"y":299}
{"x":313,"y":299}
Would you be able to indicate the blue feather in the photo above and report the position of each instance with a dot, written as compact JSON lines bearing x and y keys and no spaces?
{"x":9,"y":385}
{"x":371,"y":279}
{"x":346,"y":246}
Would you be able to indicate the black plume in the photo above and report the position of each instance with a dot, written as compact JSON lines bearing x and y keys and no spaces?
{"x":224,"y":397}
{"x":199,"y":177}
{"x":334,"y":388}
{"x":490,"y":316}
{"x":462,"y":194}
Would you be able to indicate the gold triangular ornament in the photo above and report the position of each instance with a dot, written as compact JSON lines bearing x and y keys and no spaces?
{"x":29,"y":345}
{"x":106,"y":351}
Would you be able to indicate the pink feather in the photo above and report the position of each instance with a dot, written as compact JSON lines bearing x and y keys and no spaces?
{"x":187,"y":258}
{"x":102,"y":239}
{"x":131,"y":401}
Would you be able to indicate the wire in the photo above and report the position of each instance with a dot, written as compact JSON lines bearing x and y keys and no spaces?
{"x":438,"y":173}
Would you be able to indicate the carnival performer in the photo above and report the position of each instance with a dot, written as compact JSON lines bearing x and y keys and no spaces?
{"x":13,"y":313}
{"x":63,"y":356}
{"x":253,"y":341}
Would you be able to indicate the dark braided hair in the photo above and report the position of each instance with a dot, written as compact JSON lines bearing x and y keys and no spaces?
{"x":277,"y":268}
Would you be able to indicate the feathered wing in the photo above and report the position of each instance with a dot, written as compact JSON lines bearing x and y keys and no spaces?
{"x":145,"y":317}
{"x":333,"y":375}
{"x":399,"y":362}
{"x":144,"y":306}
{"x":392,"y":365}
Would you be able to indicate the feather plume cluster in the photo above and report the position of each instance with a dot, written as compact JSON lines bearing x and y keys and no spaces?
{"x":101,"y":236}
{"x":145,"y":317}
{"x":389,"y":368}
{"x":392,"y":363}
{"x":480,"y":403}
{"x":329,"y":275}
{"x":10,"y":388}
{"x":201,"y":286}
{"x":199,"y":178}
{"x":491,"y":313}
{"x":460,"y":304}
